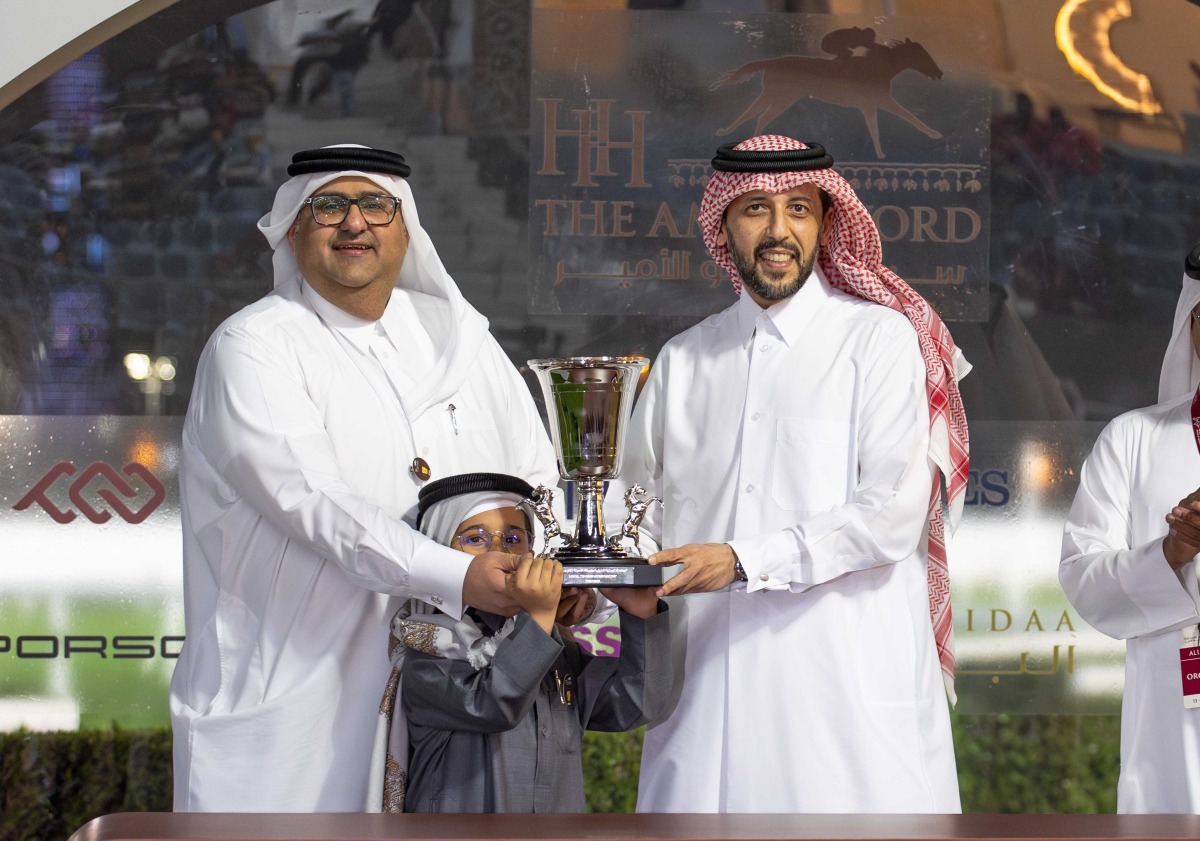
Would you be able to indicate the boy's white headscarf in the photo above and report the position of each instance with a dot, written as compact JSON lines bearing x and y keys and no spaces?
{"x":440,"y":522}
{"x":1181,"y":369}
{"x":457,"y":341}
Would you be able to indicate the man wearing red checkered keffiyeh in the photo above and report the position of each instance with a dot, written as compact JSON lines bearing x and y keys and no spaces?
{"x":799,"y":440}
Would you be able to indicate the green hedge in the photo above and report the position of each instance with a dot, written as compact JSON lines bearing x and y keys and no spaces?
{"x":53,"y":783}
{"x":1006,"y":763}
{"x":1038,"y":763}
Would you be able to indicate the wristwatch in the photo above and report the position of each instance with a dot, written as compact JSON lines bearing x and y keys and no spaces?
{"x":739,"y":573}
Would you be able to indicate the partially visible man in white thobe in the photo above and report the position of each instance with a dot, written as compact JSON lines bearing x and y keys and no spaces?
{"x":792,"y":442}
{"x":318,"y":413}
{"x":1128,"y":567}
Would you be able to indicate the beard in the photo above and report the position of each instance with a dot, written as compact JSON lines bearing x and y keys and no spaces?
{"x":778,"y":287}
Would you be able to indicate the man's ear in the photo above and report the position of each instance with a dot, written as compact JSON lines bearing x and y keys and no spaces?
{"x":291,"y":234}
{"x":826,"y":229}
{"x":722,"y":237}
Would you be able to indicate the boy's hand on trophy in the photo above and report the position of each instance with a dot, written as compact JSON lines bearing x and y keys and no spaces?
{"x":576,"y":605}
{"x":706,"y":567}
{"x":536,"y":585}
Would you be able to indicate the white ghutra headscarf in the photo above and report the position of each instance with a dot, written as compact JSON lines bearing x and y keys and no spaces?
{"x":1181,"y":369}
{"x":457,"y":340}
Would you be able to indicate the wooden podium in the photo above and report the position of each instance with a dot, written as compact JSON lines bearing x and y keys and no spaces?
{"x":139,"y":826}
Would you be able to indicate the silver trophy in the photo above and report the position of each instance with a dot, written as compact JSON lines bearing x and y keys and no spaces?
{"x":588,"y":403}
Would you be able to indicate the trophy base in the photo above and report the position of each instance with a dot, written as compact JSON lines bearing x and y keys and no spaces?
{"x":631,"y":574}
{"x":606,"y":566}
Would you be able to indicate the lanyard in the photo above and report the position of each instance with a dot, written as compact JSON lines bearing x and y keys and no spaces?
{"x":1196,"y":418}
{"x":1189,"y":640}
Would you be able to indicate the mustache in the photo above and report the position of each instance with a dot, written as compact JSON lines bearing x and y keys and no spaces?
{"x":777,"y":245}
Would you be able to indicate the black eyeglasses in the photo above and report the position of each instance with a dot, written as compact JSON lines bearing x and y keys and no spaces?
{"x":328,"y":211}
{"x":515,"y":541}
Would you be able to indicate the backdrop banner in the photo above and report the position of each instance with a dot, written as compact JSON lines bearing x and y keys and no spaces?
{"x":91,"y":586}
{"x":629,"y":107}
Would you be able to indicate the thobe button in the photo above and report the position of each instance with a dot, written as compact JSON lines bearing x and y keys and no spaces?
{"x":764,"y":348}
{"x":749,"y":489}
{"x":436,"y":599}
{"x":545,"y":731}
{"x":756,"y":416}
{"x":762,"y":576}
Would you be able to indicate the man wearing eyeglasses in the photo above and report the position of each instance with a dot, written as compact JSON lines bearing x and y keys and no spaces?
{"x":318,"y":413}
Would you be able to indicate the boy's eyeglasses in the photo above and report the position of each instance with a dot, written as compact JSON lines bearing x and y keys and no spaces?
{"x":514,"y":541}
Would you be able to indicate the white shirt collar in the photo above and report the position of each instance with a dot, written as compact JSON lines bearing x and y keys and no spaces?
{"x":789,"y":317}
{"x":358,"y":331}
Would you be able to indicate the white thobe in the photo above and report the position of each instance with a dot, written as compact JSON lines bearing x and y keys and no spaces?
{"x":799,"y":435}
{"x":297,"y":501}
{"x":1115,"y":574}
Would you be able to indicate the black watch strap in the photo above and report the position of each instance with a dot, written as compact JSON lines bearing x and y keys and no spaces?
{"x":739,"y":573}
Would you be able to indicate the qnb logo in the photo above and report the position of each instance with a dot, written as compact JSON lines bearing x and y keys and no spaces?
{"x":105,"y":483}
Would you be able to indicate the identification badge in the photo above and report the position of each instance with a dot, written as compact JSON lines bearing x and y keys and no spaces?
{"x":1189,"y":665}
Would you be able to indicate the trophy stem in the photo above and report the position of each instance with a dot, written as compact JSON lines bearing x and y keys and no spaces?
{"x":589,"y":528}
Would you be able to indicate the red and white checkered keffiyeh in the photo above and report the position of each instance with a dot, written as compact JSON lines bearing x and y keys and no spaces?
{"x":853,"y":262}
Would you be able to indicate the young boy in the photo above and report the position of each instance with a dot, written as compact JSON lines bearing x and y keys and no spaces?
{"x":495,"y":708}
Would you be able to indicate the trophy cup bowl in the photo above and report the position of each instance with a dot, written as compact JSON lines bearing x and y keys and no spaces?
{"x":588,"y":403}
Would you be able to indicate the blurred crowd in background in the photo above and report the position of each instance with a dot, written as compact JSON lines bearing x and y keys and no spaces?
{"x":128,"y":209}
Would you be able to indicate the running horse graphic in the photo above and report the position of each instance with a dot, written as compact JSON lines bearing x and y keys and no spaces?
{"x":848,"y":79}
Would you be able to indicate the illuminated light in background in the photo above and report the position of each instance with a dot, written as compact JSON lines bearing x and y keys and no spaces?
{"x":153,"y":377}
{"x":1095,"y":21}
{"x":164,"y":367}
{"x":137,"y":365}
{"x":145,"y":451}
{"x":1037,"y":469}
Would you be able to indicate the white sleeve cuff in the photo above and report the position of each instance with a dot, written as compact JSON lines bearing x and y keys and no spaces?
{"x":756,"y":553}
{"x":1154,"y":587}
{"x":436,"y":577}
{"x":1187,"y":577}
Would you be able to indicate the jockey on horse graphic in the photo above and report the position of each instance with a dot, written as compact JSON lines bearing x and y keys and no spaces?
{"x":855,"y":81}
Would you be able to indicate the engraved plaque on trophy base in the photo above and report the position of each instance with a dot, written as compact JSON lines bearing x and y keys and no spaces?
{"x":612,"y":575}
